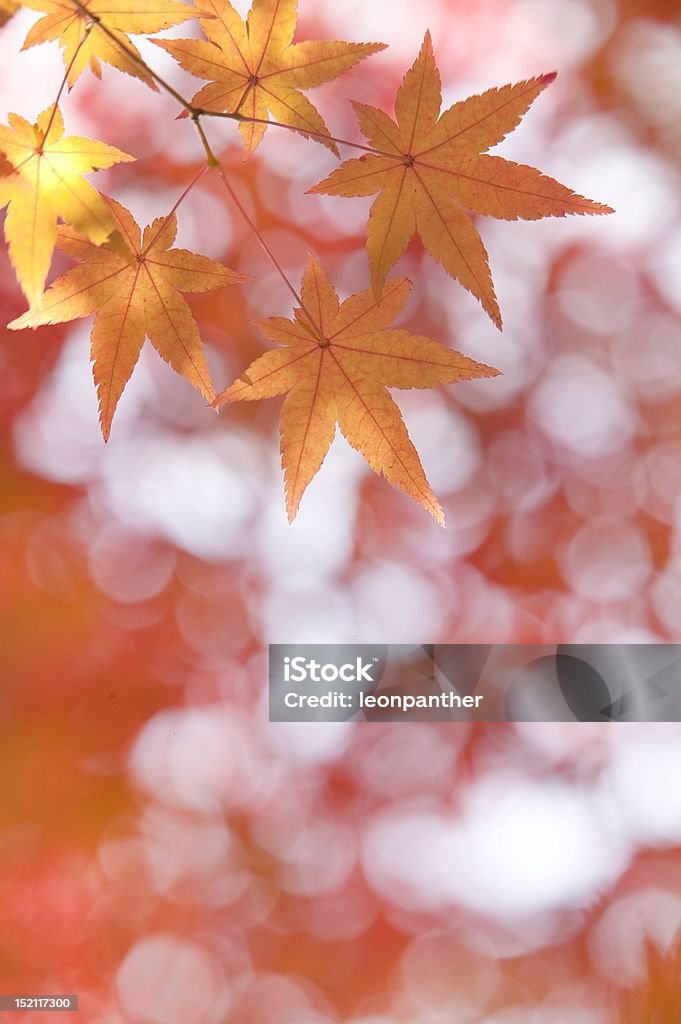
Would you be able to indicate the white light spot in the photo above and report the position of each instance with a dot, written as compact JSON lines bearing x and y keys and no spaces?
{"x":644,"y":783}
{"x":519,"y":849}
{"x":579,"y":406}
{"x":165,"y":980}
{"x":607,"y":561}
{"x":203,"y":759}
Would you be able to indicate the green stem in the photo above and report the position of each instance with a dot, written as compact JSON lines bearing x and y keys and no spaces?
{"x":212,"y":159}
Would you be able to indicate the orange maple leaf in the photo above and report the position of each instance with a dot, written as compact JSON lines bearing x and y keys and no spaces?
{"x":79,"y":26}
{"x":133,"y":283}
{"x":254,"y":67}
{"x":336,"y":362}
{"x":47,"y":183}
{"x":431,"y":170}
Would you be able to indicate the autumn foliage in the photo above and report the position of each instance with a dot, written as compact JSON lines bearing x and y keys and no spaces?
{"x":44,"y":183}
{"x":430,"y":174}
{"x":336,"y":363}
{"x":133,"y":285}
{"x":430,"y":168}
{"x":159,"y":839}
{"x":255,"y":68}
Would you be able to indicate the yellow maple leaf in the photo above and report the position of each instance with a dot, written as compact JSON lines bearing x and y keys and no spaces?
{"x":254,"y":67}
{"x":336,"y":363}
{"x":133,"y":283}
{"x":432,"y":170}
{"x":79,"y":27}
{"x":7,"y":9}
{"x":47,"y":183}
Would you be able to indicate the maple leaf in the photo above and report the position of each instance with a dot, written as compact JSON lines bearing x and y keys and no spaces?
{"x":254,"y":67}
{"x":432,"y":170}
{"x":79,"y":26}
{"x":47,"y":183}
{"x":336,"y":362}
{"x":7,"y":9}
{"x":133,"y":283}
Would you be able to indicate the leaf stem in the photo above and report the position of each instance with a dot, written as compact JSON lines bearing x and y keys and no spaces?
{"x":235,"y":116}
{"x":64,"y":81}
{"x":251,"y":223}
{"x":215,"y":163}
{"x":212,"y":159}
{"x":202,"y":170}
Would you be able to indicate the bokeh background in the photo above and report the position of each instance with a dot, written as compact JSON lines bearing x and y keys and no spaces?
{"x":164,"y":850}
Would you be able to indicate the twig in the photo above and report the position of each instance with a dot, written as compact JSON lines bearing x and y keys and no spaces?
{"x":235,"y":116}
